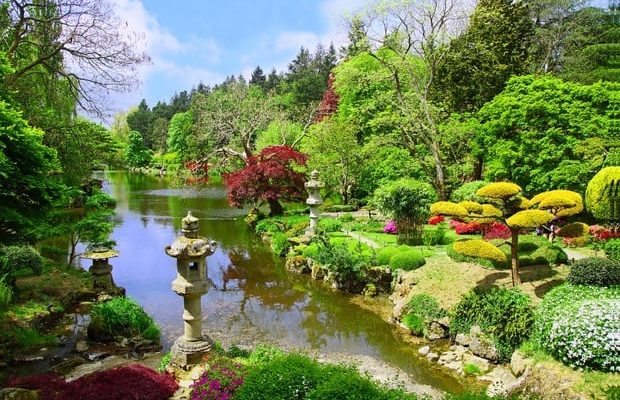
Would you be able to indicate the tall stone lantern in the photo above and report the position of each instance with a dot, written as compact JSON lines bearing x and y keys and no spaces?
{"x":191,"y":252}
{"x":313,"y":187}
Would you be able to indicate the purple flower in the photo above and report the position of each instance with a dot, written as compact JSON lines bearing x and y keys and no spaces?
{"x":390,"y":228}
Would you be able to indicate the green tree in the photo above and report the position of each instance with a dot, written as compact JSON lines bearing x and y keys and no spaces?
{"x":258,"y":78}
{"x":407,"y":201}
{"x":136,"y":153}
{"x":141,"y":120}
{"x":179,"y":131}
{"x":532,"y":133}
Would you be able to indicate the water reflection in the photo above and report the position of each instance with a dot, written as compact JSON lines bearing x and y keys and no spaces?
{"x":252,"y":298}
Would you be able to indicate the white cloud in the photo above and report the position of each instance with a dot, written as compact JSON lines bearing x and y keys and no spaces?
{"x":292,"y":41}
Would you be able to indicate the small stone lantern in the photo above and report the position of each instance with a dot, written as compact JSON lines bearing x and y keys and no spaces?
{"x":101,"y":270}
{"x":313,"y":186}
{"x":191,"y":252}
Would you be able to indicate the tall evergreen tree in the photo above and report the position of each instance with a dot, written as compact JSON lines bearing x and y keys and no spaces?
{"x":258,"y":77}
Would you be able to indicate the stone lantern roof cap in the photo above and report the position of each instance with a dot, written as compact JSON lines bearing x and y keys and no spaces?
{"x":99,"y":254}
{"x":189,"y":225}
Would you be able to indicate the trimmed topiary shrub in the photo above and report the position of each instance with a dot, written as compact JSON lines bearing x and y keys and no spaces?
{"x":121,"y":316}
{"x":499,"y":190}
{"x":529,"y":218}
{"x":612,"y":249}
{"x":407,"y":260}
{"x":595,"y":271}
{"x":574,"y":229}
{"x":385,"y":255}
{"x":479,"y":249}
{"x":597,"y":194}
{"x":544,"y":255}
{"x":505,"y":315}
{"x":19,"y":261}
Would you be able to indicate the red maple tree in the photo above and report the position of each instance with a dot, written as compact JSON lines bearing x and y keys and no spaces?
{"x":268,"y":177}
{"x":329,"y":103}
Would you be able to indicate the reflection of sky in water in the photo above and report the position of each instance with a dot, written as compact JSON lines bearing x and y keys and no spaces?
{"x":252,"y":298}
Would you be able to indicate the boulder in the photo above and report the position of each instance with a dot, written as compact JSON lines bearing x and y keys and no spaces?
{"x":482,"y":363}
{"x":297,"y":264}
{"x":462,"y":339}
{"x":519,"y":363}
{"x":380,"y":277}
{"x":317,"y":271}
{"x":370,"y":290}
{"x":19,"y":394}
{"x":432,"y":356}
{"x":403,"y":283}
{"x":435,"y":330}
{"x":481,"y":345}
{"x":423,"y":351}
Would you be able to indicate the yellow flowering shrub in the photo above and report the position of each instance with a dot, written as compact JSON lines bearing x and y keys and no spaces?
{"x":471,"y":206}
{"x":574,"y":230}
{"x":499,"y":190}
{"x":529,"y":219}
{"x":490,"y":211}
{"x":479,"y":248}
{"x":524,"y":203}
{"x":449,"y":208}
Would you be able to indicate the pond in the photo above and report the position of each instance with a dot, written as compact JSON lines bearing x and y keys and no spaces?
{"x":252,"y":298}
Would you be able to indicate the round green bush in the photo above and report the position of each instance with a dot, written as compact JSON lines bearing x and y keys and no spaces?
{"x":595,"y":271}
{"x":407,"y":260}
{"x":547,"y":254}
{"x":598,"y":201}
{"x":121,"y":316}
{"x":506,"y":315}
{"x":585,"y":335}
{"x":612,"y":249}
{"x":468,"y":192}
{"x":385,"y":255}
{"x":20,"y":259}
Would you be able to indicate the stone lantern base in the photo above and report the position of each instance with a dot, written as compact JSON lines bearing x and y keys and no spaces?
{"x":185,"y":353}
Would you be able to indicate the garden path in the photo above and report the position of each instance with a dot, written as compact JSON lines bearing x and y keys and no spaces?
{"x":365,"y":240}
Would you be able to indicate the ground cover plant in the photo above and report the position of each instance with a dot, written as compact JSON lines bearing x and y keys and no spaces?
{"x":121,"y":316}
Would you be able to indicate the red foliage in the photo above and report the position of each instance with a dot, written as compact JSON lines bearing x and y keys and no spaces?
{"x":199,"y":171}
{"x":435,"y":219}
{"x":329,"y":103}
{"x":128,"y":382}
{"x":602,"y":234}
{"x":267,"y":176}
{"x":497,"y":230}
{"x":465,"y":228}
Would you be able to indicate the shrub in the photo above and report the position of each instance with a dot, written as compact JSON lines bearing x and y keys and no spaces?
{"x":602,"y":234}
{"x":471,"y":369}
{"x":19,"y":261}
{"x":219,"y":382}
{"x":264,"y":353}
{"x":529,"y":219}
{"x":422,"y":308}
{"x":414,"y":323}
{"x":547,"y":254}
{"x":479,"y":249}
{"x":340,"y":208}
{"x":126,"y":382}
{"x":330,"y":225}
{"x":100,"y":200}
{"x":499,"y":190}
{"x":435,"y":219}
{"x":385,"y":255}
{"x":279,"y":244}
{"x":346,"y":218}
{"x":343,"y":263}
{"x":390,"y":227}
{"x":584,"y":335}
{"x":6,"y":295}
{"x":595,"y":271}
{"x":506,"y":315}
{"x":465,"y":228}
{"x":435,"y":237}
{"x":407,"y":260}
{"x":467,"y":191}
{"x":345,"y":383}
{"x":289,"y":377}
{"x":612,"y":249}
{"x":598,"y":200}
{"x":497,"y":230}
{"x":121,"y":316}
{"x":268,"y":225}
{"x":563,"y":297}
{"x":164,"y":362}
{"x":574,"y":229}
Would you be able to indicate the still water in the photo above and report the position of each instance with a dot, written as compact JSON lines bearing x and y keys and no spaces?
{"x":252,"y":298}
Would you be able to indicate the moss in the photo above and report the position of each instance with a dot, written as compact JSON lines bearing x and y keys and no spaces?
{"x":529,"y":219}
{"x":472,"y":206}
{"x":479,"y":248}
{"x":597,"y":196}
{"x":449,"y":208}
{"x":573,"y":230}
{"x":499,"y":190}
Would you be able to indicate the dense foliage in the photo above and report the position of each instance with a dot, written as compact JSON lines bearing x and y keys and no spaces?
{"x":595,"y":271}
{"x":506,"y":315}
{"x":121,"y":316}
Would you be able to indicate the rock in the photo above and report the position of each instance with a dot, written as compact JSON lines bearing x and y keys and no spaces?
{"x":370,"y":290}
{"x":501,"y":379}
{"x":432,"y":356}
{"x":381,"y":277}
{"x":66,"y":365}
{"x":462,"y":339}
{"x":297,"y":264}
{"x":435,"y":330}
{"x":482,"y":363}
{"x":81,"y":346}
{"x":19,"y":394}
{"x":98,"y":355}
{"x":519,"y":363}
{"x":423,"y":351}
{"x":544,"y":381}
{"x":317,"y":271}
{"x":481,"y":345}
{"x":403,"y":283}
{"x":28,"y":358}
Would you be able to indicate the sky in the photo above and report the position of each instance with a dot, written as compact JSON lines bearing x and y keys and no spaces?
{"x":192,"y":41}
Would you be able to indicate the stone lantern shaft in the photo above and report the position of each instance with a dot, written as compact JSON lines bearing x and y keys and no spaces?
{"x":313,"y":187}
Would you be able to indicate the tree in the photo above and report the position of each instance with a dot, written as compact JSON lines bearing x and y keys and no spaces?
{"x":258,"y":78}
{"x":136,"y":153}
{"x":358,"y":40}
{"x":411,"y":42}
{"x":329,"y":102}
{"x":407,"y":201}
{"x":141,"y":120}
{"x":268,"y":177}
{"x":479,"y":62}
{"x":179,"y":131}
{"x":538,"y":131}
{"x":80,"y":42}
{"x":505,"y":203}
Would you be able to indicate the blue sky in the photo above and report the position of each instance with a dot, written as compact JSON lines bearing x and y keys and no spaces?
{"x":206,"y":40}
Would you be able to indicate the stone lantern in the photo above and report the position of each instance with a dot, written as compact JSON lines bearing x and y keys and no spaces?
{"x":191,"y":252}
{"x":101,"y":270}
{"x":313,"y":186}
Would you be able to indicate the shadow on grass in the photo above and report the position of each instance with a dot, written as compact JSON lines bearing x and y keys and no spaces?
{"x":542,"y":289}
{"x":491,"y":280}
{"x":533,"y":273}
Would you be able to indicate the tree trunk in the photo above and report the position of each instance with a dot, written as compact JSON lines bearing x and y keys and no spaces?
{"x":409,"y":233}
{"x":514,"y":252}
{"x":275,"y":208}
{"x":440,"y":178}
{"x":478,"y":167}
